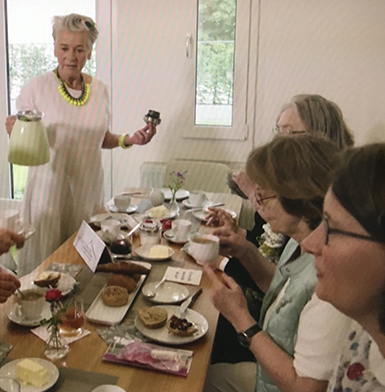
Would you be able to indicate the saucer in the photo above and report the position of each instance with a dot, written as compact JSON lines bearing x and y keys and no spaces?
{"x":14,"y":315}
{"x":99,"y":218}
{"x":169,"y":234}
{"x":181,"y":194}
{"x":167,"y":293}
{"x":201,"y":214}
{"x":187,"y":204}
{"x":129,"y":210}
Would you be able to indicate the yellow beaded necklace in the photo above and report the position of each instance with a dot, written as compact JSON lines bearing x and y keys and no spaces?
{"x":82,"y":100}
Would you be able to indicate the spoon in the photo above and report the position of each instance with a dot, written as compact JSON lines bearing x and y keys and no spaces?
{"x":151,"y":293}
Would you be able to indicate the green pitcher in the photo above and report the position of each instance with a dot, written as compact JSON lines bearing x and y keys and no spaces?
{"x":28,"y":144}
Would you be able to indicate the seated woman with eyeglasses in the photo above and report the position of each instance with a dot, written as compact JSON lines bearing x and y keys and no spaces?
{"x":349,"y":250}
{"x":305,"y":113}
{"x":296,"y":340}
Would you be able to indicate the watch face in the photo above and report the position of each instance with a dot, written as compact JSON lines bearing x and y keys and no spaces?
{"x":243,"y":339}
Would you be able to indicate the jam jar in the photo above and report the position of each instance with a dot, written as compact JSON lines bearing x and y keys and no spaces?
{"x":149,"y":233}
{"x":120,"y":246}
{"x":152,"y":117}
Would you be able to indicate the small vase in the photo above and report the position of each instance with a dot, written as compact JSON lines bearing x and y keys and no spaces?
{"x":173,"y":205}
{"x":56,"y":346}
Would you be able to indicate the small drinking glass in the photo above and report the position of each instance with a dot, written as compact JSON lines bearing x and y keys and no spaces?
{"x":9,"y":384}
{"x":72,"y":320}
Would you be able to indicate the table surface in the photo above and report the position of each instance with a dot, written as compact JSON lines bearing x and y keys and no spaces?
{"x":87,"y":353}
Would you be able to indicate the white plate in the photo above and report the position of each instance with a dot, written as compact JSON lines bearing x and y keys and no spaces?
{"x":181,"y":194}
{"x":170,"y":214}
{"x":162,"y":335}
{"x":167,"y":293}
{"x":65,"y":285}
{"x":109,"y":315}
{"x":144,"y":253}
{"x":203,"y":213}
{"x":170,"y":236}
{"x":14,"y":315}
{"x":129,"y":210}
{"x":108,"y":388}
{"x":99,"y":218}
{"x":9,"y":370}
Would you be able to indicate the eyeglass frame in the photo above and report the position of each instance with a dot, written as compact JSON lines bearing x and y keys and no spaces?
{"x":260,"y":199}
{"x":345,"y":233}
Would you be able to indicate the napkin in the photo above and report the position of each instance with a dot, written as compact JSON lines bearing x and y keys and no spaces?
{"x":43,"y":334}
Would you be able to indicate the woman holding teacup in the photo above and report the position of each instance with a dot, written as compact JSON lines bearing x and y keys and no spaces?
{"x":349,"y":250}
{"x":296,"y":339}
{"x":68,"y":189}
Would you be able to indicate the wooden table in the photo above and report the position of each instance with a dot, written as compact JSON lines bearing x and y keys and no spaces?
{"x":87,"y":353}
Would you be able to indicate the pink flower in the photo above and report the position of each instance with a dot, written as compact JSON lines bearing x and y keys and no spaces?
{"x":53,"y":295}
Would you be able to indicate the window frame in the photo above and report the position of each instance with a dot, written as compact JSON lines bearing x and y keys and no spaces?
{"x":239,"y":129}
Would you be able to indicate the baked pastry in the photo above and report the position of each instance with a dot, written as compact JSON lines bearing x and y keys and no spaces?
{"x":47,"y":278}
{"x":181,"y":327}
{"x":122,"y":281}
{"x":154,"y":317}
{"x":114,"y":296}
{"x":123,"y":267}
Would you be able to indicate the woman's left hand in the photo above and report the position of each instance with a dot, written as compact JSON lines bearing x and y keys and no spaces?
{"x":228,"y":298}
{"x":143,"y":136}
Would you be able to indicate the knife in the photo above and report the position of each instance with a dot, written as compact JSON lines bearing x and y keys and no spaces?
{"x":185,"y":304}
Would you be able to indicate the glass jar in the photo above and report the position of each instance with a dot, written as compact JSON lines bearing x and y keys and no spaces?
{"x":152,"y":117}
{"x":149,"y":233}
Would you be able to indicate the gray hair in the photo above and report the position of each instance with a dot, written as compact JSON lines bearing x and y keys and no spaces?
{"x":322,"y":117}
{"x":75,"y":22}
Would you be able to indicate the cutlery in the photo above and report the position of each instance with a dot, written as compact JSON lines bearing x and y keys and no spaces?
{"x":151,"y":294}
{"x":134,"y":229}
{"x":208,"y":206}
{"x":130,"y":193}
{"x":187,"y":302}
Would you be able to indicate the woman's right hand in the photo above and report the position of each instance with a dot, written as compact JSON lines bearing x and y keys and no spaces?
{"x":9,"y":123}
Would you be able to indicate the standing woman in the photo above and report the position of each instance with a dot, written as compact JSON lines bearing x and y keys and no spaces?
{"x":349,"y":250}
{"x":68,"y":189}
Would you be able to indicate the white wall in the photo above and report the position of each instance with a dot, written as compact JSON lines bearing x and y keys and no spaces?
{"x":328,"y":47}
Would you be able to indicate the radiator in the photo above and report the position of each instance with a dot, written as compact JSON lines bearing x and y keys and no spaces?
{"x":152,"y":174}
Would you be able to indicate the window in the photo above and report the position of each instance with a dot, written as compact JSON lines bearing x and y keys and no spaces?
{"x":30,"y":51}
{"x":221,"y":70}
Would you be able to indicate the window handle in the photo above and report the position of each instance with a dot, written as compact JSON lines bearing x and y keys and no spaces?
{"x":188,"y":44}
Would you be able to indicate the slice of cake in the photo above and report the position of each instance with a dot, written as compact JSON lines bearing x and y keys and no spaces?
{"x":31,"y":372}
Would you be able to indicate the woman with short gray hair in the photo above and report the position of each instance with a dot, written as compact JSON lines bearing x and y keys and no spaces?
{"x":68,"y":189}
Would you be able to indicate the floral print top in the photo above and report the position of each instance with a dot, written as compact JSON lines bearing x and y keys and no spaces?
{"x":361,"y":366}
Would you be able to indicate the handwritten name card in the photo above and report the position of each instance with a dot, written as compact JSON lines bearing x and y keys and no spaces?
{"x":183,"y":275}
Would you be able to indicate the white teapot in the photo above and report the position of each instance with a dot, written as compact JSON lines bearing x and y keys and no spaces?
{"x":156,"y":197}
{"x":28,"y":144}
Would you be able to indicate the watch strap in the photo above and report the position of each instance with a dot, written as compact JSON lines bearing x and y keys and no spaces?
{"x":244,"y":337}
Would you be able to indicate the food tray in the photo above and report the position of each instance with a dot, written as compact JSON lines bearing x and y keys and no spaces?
{"x":100,"y":313}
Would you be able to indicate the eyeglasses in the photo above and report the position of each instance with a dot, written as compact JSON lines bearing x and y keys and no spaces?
{"x":329,"y":231}
{"x":261,"y":199}
{"x":278,"y":131}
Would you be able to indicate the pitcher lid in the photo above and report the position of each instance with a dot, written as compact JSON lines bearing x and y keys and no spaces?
{"x":29,"y":115}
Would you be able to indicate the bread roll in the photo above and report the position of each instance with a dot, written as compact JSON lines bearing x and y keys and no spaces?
{"x":114,"y":296}
{"x":47,"y":278}
{"x":122,"y":281}
{"x":154,"y":317}
{"x":123,"y":267}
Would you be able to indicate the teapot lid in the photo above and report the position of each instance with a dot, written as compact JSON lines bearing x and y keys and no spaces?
{"x":29,"y":115}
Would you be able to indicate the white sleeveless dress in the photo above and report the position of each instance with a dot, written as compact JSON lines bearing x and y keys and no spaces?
{"x":68,"y":189}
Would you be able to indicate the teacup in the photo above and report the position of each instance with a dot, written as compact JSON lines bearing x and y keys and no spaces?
{"x":31,"y":303}
{"x":181,"y":229}
{"x":122,"y":202}
{"x":197,"y":198}
{"x":110,"y":229}
{"x":204,"y":248}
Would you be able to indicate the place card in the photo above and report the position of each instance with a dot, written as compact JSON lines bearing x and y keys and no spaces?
{"x":90,"y":247}
{"x":183,"y":275}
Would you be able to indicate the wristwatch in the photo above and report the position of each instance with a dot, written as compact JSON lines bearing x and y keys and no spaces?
{"x":244,"y":337}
